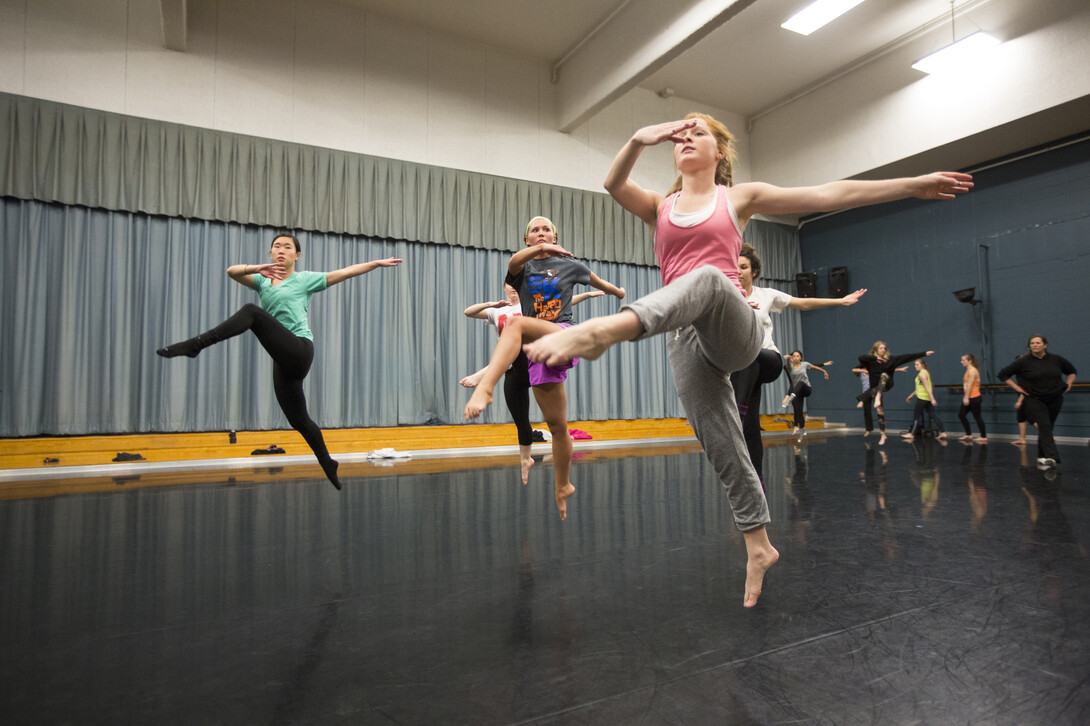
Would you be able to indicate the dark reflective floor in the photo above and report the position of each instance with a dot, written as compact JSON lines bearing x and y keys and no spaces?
{"x":918,"y":584}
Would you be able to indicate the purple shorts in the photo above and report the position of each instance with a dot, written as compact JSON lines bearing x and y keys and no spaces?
{"x":541,"y":373}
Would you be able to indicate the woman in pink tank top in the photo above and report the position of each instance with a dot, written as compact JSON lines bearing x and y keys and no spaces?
{"x":698,"y":229}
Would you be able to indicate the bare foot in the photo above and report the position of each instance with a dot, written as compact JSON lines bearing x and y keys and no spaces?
{"x":1019,"y":442}
{"x":761,"y":556}
{"x":562,"y":500}
{"x":907,"y":437}
{"x":966,"y":437}
{"x":471,"y":380}
{"x":942,"y":435}
{"x":477,"y":402}
{"x":587,"y":340}
{"x":866,"y":434}
{"x":980,"y":440}
{"x":527,"y":462}
{"x":882,"y":439}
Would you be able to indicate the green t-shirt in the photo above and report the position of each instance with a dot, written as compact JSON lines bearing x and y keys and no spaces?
{"x":288,"y":301}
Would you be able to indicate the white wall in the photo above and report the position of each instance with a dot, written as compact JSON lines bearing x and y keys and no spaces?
{"x":885,"y":111}
{"x":321,"y":73}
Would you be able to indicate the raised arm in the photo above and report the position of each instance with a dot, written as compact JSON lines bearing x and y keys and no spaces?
{"x":477,"y":310}
{"x":244,"y":274}
{"x":361,"y":268}
{"x":606,"y":287}
{"x":816,"y":303}
{"x":823,"y":371}
{"x":641,"y":202}
{"x":760,"y":198}
{"x":520,"y":258}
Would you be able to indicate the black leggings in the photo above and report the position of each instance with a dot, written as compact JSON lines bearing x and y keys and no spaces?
{"x":291,"y":356}
{"x":974,"y":406}
{"x":747,"y":383}
{"x":516,"y":391}
{"x":924,"y":408}
{"x":1042,"y":413}
{"x":801,"y":391}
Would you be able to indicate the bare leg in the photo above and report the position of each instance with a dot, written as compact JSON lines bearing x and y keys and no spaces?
{"x":527,"y":461}
{"x":553,"y":402}
{"x":586,"y":340}
{"x":760,"y":556}
{"x":1021,"y":440}
{"x":517,"y":331}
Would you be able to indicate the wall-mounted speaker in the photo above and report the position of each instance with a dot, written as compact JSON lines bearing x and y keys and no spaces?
{"x":806,"y":284}
{"x":838,"y":281}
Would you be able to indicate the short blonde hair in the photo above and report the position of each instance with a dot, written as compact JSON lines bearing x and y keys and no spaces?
{"x":526,"y":232}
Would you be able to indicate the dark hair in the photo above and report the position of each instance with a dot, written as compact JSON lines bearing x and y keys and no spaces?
{"x":972,"y":359}
{"x":796,"y":350}
{"x":1043,"y":339}
{"x":294,"y":241}
{"x":750,"y":254}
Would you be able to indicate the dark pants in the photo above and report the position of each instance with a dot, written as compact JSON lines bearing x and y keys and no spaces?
{"x":292,"y":357}
{"x":516,"y":392}
{"x":747,"y":383}
{"x":974,"y":406}
{"x":801,"y":391}
{"x":1041,"y":411}
{"x":924,"y":408}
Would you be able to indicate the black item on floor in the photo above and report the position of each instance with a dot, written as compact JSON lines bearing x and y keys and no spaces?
{"x":273,"y":449}
{"x":126,"y":456}
{"x":50,"y":460}
{"x":538,"y":436}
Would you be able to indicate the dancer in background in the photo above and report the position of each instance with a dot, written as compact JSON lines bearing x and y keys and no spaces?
{"x":797,"y":373}
{"x":925,"y":403}
{"x":281,"y":327}
{"x":712,"y":331}
{"x":880,"y":367}
{"x":1043,"y":378}
{"x":971,"y":400}
{"x":544,"y":274}
{"x":516,"y":381}
{"x":768,"y":364}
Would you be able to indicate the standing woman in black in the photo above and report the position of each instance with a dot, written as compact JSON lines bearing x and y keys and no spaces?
{"x":281,"y":327}
{"x":1043,"y":378}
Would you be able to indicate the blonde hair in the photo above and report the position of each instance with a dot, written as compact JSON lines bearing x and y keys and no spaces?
{"x":874,"y":348}
{"x":724,"y":140}
{"x":526,"y":232}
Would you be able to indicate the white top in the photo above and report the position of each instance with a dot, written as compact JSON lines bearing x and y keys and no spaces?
{"x":498,"y":316}
{"x":768,"y":301}
{"x":688,"y":219}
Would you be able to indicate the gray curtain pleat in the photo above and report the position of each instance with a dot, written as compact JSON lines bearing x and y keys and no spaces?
{"x":73,"y":155}
{"x":88,"y":296}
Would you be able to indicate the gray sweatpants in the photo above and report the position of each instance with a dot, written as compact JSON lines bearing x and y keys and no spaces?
{"x":716,"y":334}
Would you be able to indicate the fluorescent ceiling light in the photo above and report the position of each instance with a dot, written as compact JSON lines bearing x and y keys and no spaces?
{"x":818,"y":14}
{"x":956,"y":55}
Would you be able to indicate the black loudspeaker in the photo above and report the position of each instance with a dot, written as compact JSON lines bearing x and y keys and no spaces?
{"x":806,"y":282}
{"x":838,"y":281}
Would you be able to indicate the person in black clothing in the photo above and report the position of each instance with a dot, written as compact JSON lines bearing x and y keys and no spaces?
{"x":1043,"y":378}
{"x":880,"y":366}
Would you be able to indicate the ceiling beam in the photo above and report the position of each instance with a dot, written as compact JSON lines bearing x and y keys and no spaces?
{"x":173,"y":16}
{"x":642,"y":38}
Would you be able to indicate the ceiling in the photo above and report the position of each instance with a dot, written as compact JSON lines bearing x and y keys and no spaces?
{"x":745,"y":63}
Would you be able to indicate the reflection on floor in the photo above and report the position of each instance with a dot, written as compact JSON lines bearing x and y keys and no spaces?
{"x":919,"y":583}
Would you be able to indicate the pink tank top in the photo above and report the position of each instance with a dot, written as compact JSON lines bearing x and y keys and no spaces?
{"x":716,"y":241}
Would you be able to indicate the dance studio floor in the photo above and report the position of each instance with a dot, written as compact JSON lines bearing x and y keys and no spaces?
{"x":918,"y":584}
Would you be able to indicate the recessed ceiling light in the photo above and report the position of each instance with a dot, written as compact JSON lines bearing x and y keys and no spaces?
{"x":818,"y":14}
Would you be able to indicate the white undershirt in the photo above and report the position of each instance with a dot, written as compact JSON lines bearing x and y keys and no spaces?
{"x":688,"y":219}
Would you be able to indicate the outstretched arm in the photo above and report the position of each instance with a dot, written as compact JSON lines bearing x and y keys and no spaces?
{"x":361,"y":268}
{"x":606,"y":287}
{"x":819,"y":368}
{"x":816,"y":303}
{"x":477,"y":310}
{"x":759,"y":198}
{"x":244,"y":274}
{"x":580,"y":297}
{"x":641,"y":202}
